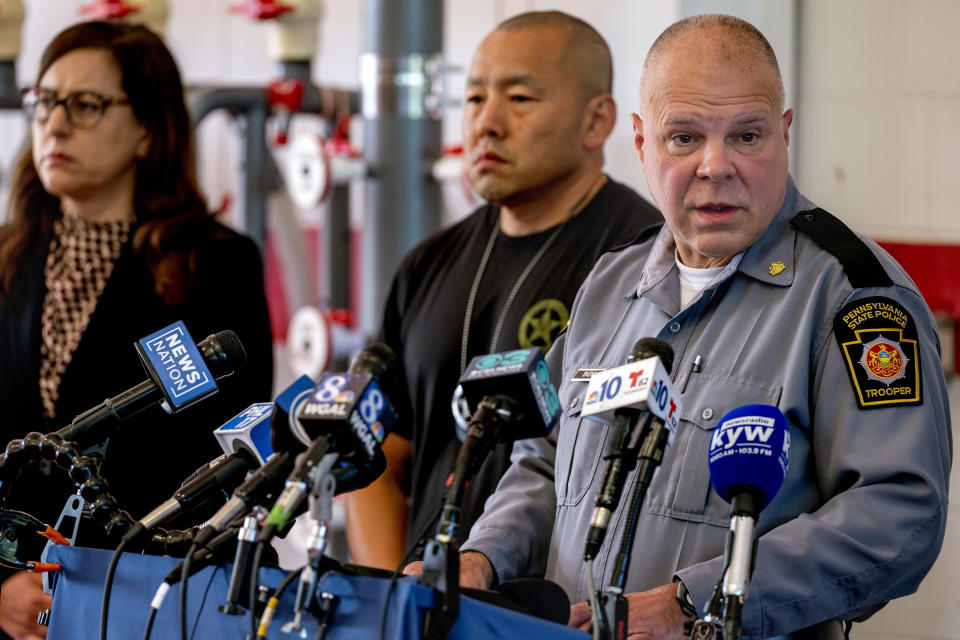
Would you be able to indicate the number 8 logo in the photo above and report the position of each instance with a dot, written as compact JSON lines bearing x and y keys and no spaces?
{"x":332,"y":386}
{"x":371,"y":406}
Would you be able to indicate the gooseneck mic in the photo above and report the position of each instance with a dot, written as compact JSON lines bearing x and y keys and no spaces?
{"x":245,"y":439}
{"x":513,"y":399}
{"x":749,"y":456}
{"x":220,"y":477}
{"x":624,"y":442}
{"x":620,"y":393}
{"x":180,"y":373}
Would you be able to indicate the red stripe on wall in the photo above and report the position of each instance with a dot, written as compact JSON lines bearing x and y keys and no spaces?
{"x":936,"y":270}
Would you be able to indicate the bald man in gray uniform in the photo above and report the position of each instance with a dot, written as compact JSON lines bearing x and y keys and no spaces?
{"x":784,"y":305}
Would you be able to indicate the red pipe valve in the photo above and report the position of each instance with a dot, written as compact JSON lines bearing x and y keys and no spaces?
{"x":262,"y":9}
{"x":108,"y":9}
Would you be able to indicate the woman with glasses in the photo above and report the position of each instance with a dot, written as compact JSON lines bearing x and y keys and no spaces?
{"x":109,"y":240}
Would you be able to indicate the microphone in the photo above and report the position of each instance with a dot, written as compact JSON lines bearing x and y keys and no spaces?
{"x":514,"y":399}
{"x":749,"y":456}
{"x":254,"y":434}
{"x":346,"y":414}
{"x":180,"y":374}
{"x":649,"y":359}
{"x":245,"y":439}
{"x":525,"y":374}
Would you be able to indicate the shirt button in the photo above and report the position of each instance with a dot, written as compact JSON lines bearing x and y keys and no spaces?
{"x":574,"y":403}
{"x":674,"y":327}
{"x":707,"y":414}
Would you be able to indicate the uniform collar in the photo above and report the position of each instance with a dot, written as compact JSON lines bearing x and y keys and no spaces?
{"x":771,"y":258}
{"x":772,"y":254}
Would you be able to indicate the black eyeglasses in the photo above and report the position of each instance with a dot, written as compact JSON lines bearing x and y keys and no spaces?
{"x":84,"y":109}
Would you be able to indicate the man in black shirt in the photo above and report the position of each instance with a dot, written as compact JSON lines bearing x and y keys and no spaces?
{"x":538,"y":112}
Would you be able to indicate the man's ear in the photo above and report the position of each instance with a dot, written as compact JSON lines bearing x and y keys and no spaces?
{"x":637,"y":133}
{"x":787,"y":121}
{"x":600,"y":116}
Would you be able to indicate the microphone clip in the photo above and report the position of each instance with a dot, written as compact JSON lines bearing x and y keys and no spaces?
{"x":612,"y":614}
{"x":441,"y":571}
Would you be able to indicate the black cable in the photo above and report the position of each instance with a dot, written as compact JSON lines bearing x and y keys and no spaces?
{"x":108,"y":586}
{"x":184,"y":577}
{"x":275,"y":597}
{"x":153,"y":616}
{"x":254,"y":579}
{"x":203,"y":602}
{"x":403,"y":561}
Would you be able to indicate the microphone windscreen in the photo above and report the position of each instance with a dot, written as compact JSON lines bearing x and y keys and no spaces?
{"x":223,"y":353}
{"x":653,"y":347}
{"x":750,"y":448}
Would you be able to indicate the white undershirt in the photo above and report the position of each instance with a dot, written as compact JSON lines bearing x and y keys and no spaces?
{"x":693,"y":281}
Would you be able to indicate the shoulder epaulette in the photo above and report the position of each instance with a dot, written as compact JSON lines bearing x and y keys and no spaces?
{"x":640,"y":238}
{"x":862,"y":267}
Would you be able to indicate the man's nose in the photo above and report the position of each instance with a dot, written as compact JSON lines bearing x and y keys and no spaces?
{"x":491,"y":120}
{"x":715,"y":161}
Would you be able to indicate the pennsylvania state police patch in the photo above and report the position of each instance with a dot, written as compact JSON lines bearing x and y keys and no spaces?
{"x":878,"y":340}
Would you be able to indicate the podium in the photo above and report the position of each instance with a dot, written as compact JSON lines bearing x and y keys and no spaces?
{"x":361,"y":600}
{"x":79,"y":589}
{"x":78,"y":593}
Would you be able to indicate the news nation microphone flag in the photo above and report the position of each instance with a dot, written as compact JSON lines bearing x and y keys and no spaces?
{"x":175,"y":365}
{"x":644,"y":384}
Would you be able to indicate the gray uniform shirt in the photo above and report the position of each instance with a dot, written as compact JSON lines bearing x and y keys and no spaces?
{"x":861,"y":514}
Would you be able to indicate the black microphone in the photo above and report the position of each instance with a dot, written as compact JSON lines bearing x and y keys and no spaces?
{"x":180,"y":373}
{"x":268,"y":479}
{"x":348,"y":415}
{"x":245,"y":438}
{"x":513,"y":399}
{"x":218,"y":479}
{"x":622,"y":457}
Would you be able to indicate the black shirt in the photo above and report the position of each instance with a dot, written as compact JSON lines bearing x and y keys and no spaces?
{"x":424,"y":318}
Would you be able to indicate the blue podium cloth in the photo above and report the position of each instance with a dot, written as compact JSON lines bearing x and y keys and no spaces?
{"x":79,"y":591}
{"x":357,"y":616}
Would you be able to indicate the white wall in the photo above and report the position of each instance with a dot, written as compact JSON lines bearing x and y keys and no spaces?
{"x":879,"y":112}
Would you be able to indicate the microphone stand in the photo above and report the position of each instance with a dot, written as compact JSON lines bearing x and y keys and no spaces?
{"x":724,"y":610}
{"x":611,"y":601}
{"x":321,"y":512}
{"x":441,"y":559}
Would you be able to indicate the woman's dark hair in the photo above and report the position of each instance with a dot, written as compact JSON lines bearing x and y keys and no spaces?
{"x":167,"y":201}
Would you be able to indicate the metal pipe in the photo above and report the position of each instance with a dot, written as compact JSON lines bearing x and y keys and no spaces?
{"x":251,"y":106}
{"x":204,"y":100}
{"x":9,"y":92}
{"x":252,"y":169}
{"x":337,"y":248}
{"x":402,"y":138}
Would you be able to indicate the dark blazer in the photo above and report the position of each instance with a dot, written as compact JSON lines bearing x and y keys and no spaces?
{"x":151,"y":453}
